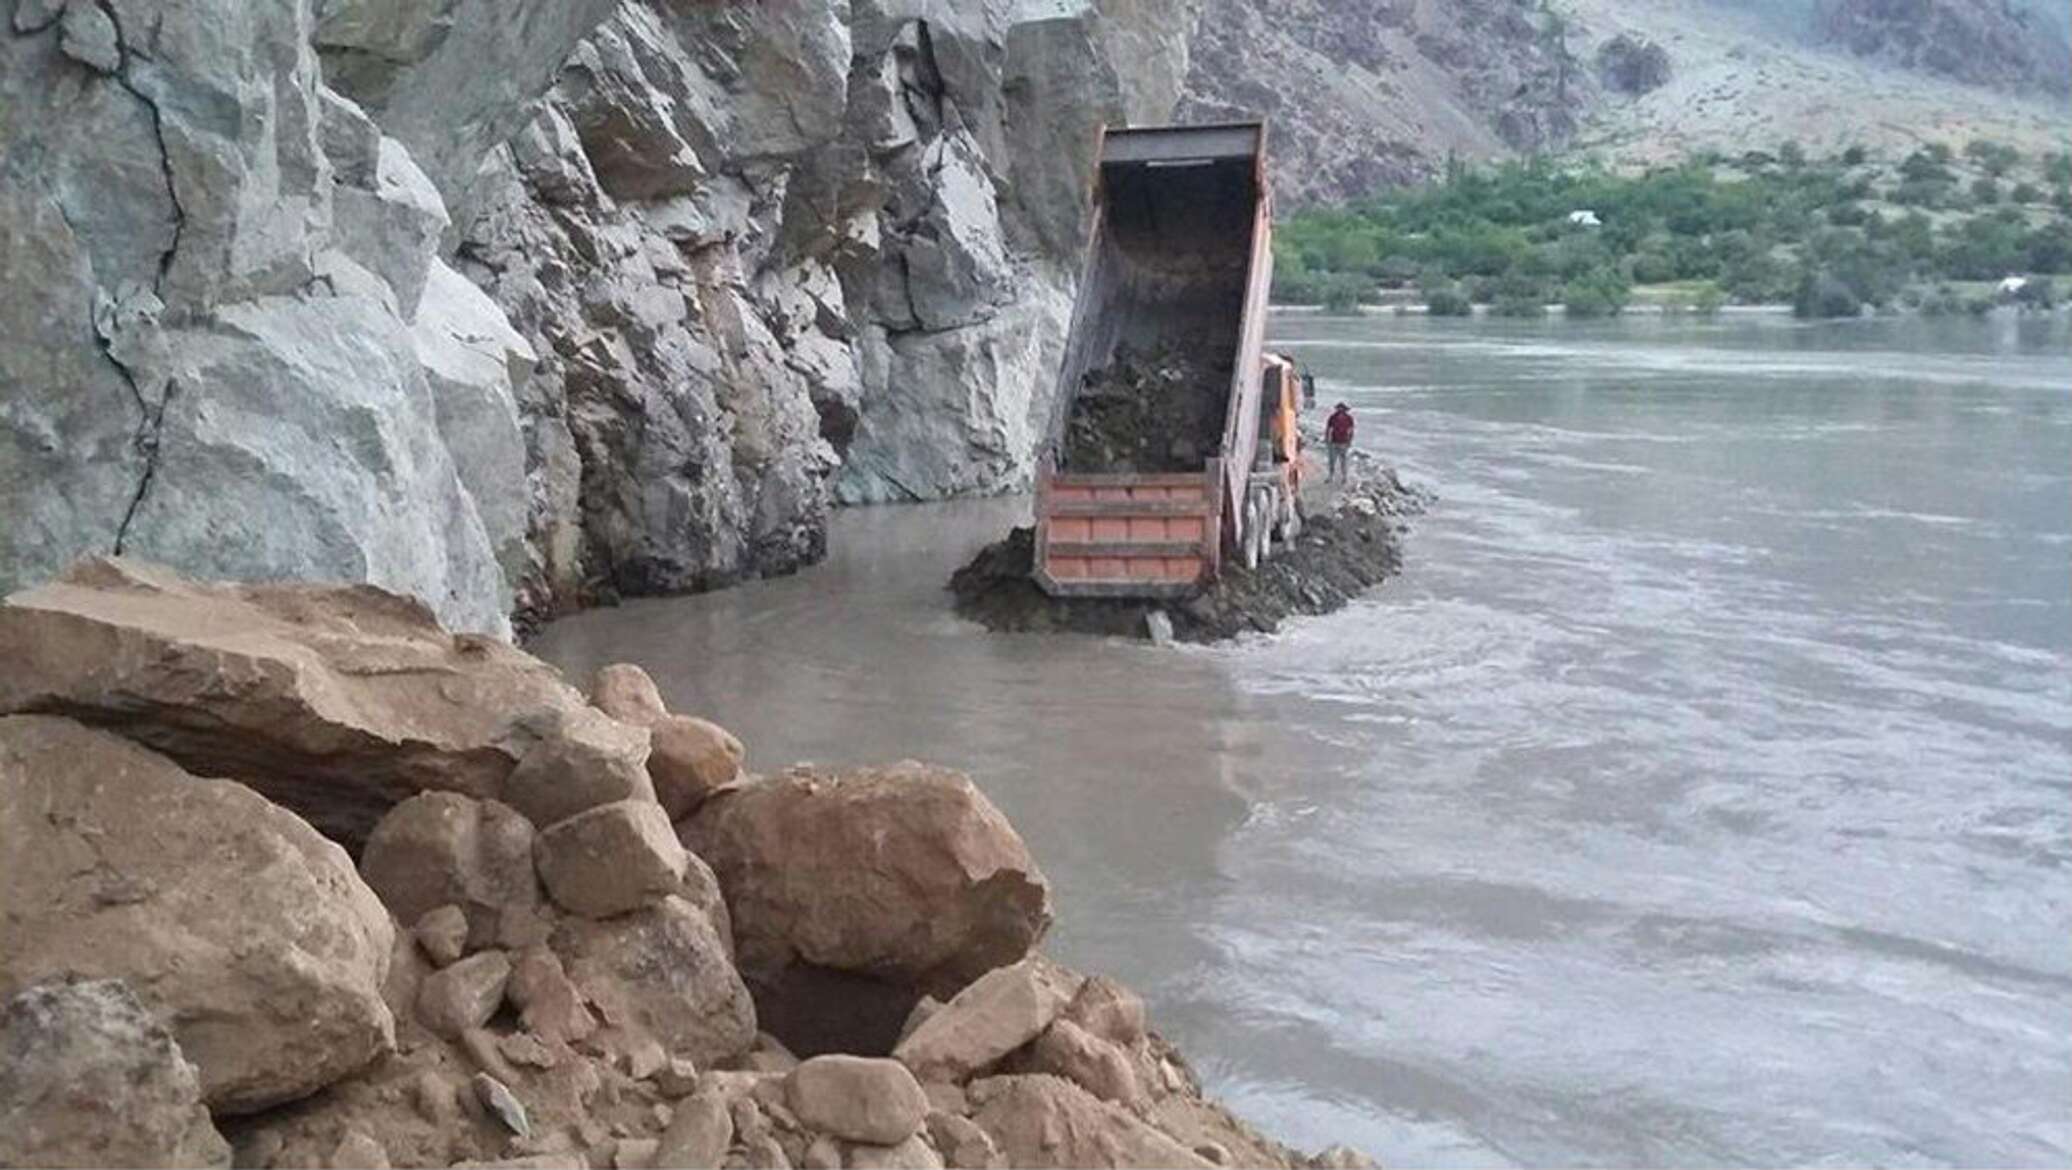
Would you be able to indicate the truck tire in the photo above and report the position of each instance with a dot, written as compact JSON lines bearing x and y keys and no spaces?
{"x":1254,"y":537}
{"x":1288,"y":522}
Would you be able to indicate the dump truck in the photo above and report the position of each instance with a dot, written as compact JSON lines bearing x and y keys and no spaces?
{"x":1173,"y":445}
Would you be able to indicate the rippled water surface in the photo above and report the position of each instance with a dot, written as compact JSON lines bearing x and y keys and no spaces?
{"x":1701,"y":794}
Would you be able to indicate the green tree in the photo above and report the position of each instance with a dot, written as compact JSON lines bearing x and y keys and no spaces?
{"x":1995,"y":158}
{"x":1343,"y":294}
{"x":1602,"y":292}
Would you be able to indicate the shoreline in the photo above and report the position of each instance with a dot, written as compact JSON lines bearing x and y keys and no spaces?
{"x":485,"y":918}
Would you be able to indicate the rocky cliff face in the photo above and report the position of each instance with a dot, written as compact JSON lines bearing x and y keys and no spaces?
{"x":229,"y":338}
{"x":510,"y":306}
{"x":772,"y":258}
{"x":1991,"y":43}
{"x":1365,"y":94}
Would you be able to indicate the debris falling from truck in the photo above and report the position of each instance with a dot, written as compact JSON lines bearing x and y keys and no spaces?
{"x":1149,"y":411}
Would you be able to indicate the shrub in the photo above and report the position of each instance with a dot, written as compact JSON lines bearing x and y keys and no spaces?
{"x":1985,"y":192}
{"x":2026,"y":193}
{"x":1448,"y":302}
{"x":1996,"y":158}
{"x":1342,"y":294}
{"x":2039,"y":294}
{"x":1849,"y":215}
{"x":1519,"y":295}
{"x":1708,"y":301}
{"x":1855,"y":156}
{"x":1922,"y":193}
{"x":1943,"y":301}
{"x":1822,"y":296}
{"x":1927,"y":166}
{"x":1601,"y":292}
{"x":1654,"y":268}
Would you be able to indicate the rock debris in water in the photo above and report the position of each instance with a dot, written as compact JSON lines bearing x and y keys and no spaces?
{"x":1351,"y":542}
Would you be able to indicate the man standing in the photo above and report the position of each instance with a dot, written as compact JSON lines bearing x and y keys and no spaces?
{"x":1338,"y":438}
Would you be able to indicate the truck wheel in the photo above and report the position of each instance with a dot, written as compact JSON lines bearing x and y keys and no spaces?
{"x":1289,"y":519}
{"x":1255,"y":534}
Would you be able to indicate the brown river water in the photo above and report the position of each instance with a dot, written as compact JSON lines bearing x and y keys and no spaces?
{"x":1701,"y":793}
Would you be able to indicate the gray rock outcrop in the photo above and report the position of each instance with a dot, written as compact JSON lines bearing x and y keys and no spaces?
{"x":1979,"y":42}
{"x":1363,"y":95}
{"x":89,"y":1078}
{"x":328,"y":290}
{"x":773,"y":257}
{"x":241,"y":350}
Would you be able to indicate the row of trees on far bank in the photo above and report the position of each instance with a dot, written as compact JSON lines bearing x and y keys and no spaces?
{"x":1829,"y":236}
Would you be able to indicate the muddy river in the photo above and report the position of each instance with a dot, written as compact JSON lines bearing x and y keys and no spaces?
{"x":1701,"y":794}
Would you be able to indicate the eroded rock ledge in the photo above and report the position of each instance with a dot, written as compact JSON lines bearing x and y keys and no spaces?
{"x":529,"y":964}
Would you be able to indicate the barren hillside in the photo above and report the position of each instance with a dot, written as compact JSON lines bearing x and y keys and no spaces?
{"x":1365,"y":93}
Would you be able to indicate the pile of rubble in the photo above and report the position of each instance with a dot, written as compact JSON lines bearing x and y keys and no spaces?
{"x":578,"y":933}
{"x":1149,"y":412}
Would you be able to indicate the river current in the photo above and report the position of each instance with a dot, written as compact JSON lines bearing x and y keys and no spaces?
{"x":1700,"y":794}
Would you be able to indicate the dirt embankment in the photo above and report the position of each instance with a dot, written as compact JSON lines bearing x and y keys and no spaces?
{"x":1351,"y":542}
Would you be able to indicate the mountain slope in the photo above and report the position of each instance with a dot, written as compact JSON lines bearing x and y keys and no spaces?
{"x":1366,"y":93}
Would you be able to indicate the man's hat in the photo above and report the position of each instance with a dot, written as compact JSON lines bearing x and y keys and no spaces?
{"x":1342,"y":406}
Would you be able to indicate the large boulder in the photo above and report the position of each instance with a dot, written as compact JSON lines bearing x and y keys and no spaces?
{"x":441,"y":848}
{"x":232,"y":919}
{"x":661,"y":974}
{"x":858,"y":1099}
{"x":89,"y":1078}
{"x":1100,"y":1067}
{"x":1003,"y":1010}
{"x":1045,"y":1121}
{"x":336,"y":701}
{"x":906,"y":874}
{"x":692,"y":759}
{"x":689,"y":758}
{"x":611,"y":859}
{"x":586,"y":759}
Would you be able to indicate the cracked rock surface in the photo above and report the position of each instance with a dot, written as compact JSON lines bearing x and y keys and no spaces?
{"x":520,"y":306}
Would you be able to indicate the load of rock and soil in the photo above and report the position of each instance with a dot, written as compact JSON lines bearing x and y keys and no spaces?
{"x":1350,"y":542}
{"x":1149,"y":411}
{"x":293,"y":877}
